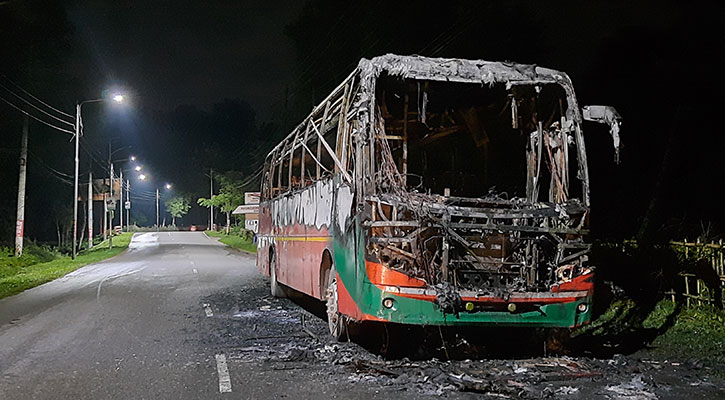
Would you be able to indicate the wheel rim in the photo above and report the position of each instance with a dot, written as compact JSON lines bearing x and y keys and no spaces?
{"x":273,"y":274}
{"x":332,"y":313}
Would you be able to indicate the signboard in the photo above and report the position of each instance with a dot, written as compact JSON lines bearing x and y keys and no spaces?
{"x":247,"y":209}
{"x":251,"y":225}
{"x":101,"y":186}
{"x":19,"y":228}
{"x":251,"y":198}
{"x":127,"y":205}
{"x":250,"y":210}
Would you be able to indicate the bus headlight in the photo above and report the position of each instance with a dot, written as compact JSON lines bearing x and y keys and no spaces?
{"x":582,"y":307}
{"x":388,"y":302}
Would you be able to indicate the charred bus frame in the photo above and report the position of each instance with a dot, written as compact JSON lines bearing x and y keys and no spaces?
{"x":413,"y":194}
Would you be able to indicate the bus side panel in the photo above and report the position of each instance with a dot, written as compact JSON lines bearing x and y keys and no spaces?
{"x":299,"y":234}
{"x":300,"y":250}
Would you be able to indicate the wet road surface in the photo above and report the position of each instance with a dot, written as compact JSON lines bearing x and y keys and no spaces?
{"x":181,"y":316}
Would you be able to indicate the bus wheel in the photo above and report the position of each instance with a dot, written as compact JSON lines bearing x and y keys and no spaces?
{"x":274,"y":286}
{"x":335,"y":321}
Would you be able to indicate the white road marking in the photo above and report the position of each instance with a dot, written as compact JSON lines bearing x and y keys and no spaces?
{"x":195,"y":271}
{"x":208,"y":311}
{"x":225,"y":383}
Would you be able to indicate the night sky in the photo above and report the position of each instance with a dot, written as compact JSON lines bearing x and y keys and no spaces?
{"x":216,"y":84}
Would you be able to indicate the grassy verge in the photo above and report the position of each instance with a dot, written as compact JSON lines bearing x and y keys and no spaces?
{"x":698,"y":332}
{"x":17,"y":275}
{"x":668,"y":331}
{"x":235,"y":241}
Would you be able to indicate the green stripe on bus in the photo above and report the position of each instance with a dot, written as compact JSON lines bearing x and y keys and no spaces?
{"x":368,"y":297}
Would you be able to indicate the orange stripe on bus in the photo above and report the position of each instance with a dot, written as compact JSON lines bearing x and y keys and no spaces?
{"x":381,"y":275}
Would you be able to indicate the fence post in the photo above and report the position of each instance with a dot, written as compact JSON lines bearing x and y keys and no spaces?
{"x":687,"y":291}
{"x":721,"y":273}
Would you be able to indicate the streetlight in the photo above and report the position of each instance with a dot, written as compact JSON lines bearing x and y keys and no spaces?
{"x":137,"y":168}
{"x":120,"y":188}
{"x":168,"y":187}
{"x":142,"y":177}
{"x":118,"y":98}
{"x":126,"y":206}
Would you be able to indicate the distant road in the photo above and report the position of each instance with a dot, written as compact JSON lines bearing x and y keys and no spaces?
{"x":177,"y":316}
{"x":127,"y":327}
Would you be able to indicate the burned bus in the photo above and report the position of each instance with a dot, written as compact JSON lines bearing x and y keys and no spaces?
{"x":436,"y":192}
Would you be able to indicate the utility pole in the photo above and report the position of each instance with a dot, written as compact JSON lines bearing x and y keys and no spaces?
{"x":75,"y":182}
{"x":128,"y":199}
{"x":211,"y":194}
{"x":105,"y":216}
{"x":20,"y":222}
{"x":120,"y":201}
{"x":157,"y":209}
{"x":110,"y":211}
{"x":90,"y":209}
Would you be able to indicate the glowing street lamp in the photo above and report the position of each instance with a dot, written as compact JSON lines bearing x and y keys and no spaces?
{"x":118,"y":98}
{"x":133,"y":158}
{"x":168,"y":186}
{"x":137,"y":168}
{"x":142,"y":177}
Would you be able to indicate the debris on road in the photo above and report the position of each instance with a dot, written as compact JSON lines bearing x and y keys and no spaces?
{"x":276,"y":334}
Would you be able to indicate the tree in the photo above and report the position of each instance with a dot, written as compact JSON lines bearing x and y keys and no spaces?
{"x":230,"y":194}
{"x":177,"y":206}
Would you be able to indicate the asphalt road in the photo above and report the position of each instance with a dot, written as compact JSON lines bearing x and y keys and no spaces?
{"x":140,"y":325}
{"x":181,"y":316}
{"x":176,"y":316}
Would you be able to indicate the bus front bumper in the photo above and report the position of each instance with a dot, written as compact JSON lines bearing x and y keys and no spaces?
{"x":422,"y":306}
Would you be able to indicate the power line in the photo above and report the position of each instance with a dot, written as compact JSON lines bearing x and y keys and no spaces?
{"x":93,"y":153}
{"x":34,"y":117}
{"x":36,"y":107}
{"x":35,"y":98}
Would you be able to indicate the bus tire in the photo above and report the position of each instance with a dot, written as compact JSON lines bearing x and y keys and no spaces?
{"x":335,"y":321}
{"x":275,"y":287}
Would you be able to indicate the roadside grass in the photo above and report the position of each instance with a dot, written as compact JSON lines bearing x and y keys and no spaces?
{"x":669,"y":331}
{"x":698,"y":333}
{"x":235,"y":241}
{"x":36,"y":268}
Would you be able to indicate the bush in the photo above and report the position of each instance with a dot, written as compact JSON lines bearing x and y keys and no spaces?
{"x":32,"y":254}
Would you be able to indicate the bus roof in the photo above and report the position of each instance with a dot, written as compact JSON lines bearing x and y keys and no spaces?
{"x":451,"y":70}
{"x":462,"y":70}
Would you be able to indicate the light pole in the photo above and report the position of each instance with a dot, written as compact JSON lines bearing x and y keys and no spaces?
{"x":157,"y":209}
{"x":110,"y":211}
{"x":79,"y":128}
{"x":128,"y":201}
{"x":90,"y":209}
{"x":120,"y":191}
{"x":127,"y":205}
{"x":168,"y":187}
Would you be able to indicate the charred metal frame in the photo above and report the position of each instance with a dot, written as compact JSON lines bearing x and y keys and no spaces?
{"x":488,"y":245}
